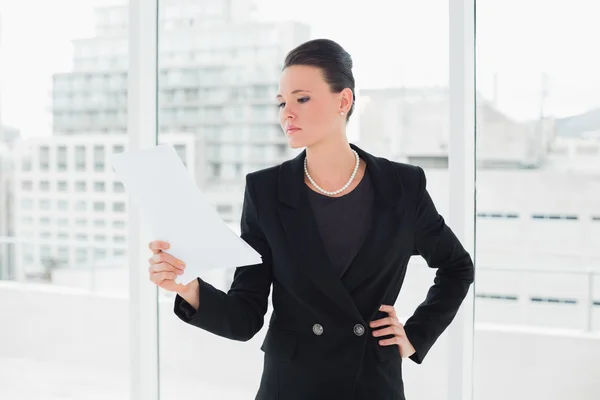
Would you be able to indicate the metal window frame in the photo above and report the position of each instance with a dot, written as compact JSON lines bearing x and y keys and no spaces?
{"x":462,"y":169}
{"x":142,"y":133}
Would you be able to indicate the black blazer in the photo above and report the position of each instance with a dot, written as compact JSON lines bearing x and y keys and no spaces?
{"x":319,"y":344}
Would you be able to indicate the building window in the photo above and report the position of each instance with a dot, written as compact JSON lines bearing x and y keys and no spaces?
{"x":63,"y":254}
{"x":118,"y":149}
{"x":26,"y":165}
{"x":81,"y":205}
{"x":44,"y":158}
{"x":100,"y":238}
{"x":119,"y":253}
{"x":62,"y":158}
{"x":44,"y":186}
{"x":81,"y":255}
{"x":44,"y":205}
{"x":99,"y":158}
{"x":80,"y":222}
{"x":63,"y":236}
{"x":216,"y":170}
{"x":63,"y":222}
{"x":99,"y":187}
{"x":118,"y":187}
{"x":99,"y":223}
{"x":119,"y":239}
{"x":63,"y":205}
{"x":27,"y":186}
{"x":62,"y":186}
{"x":82,"y":237}
{"x":119,"y":207}
{"x":118,"y":224}
{"x":99,"y":206}
{"x":80,"y":158}
{"x":80,"y":186}
{"x":99,"y":254}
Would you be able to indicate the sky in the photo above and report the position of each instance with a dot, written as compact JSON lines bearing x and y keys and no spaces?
{"x":393,"y":43}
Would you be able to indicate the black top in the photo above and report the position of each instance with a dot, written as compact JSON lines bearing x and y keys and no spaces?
{"x":344,"y":222}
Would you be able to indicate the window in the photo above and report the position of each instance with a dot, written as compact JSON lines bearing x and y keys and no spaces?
{"x":99,"y":223}
{"x":119,"y":239}
{"x":44,"y":158}
{"x":62,"y":158}
{"x":119,"y":207}
{"x":99,"y":206}
{"x":80,"y":158}
{"x":98,"y":158}
{"x":45,"y":204}
{"x":118,"y":187}
{"x":80,"y":186}
{"x":63,"y":205}
{"x":99,"y":187}
{"x":27,"y":186}
{"x":118,"y":224}
{"x":80,"y":222}
{"x":44,"y":186}
{"x":81,"y":205}
{"x":63,"y":186}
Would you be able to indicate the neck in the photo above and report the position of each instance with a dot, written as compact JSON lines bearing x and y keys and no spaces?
{"x":331,"y":162}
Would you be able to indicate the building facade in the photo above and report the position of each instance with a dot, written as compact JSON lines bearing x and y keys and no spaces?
{"x":70,"y":208}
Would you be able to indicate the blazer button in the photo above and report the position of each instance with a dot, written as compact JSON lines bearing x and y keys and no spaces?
{"x":317,"y":329}
{"x":359,"y":330}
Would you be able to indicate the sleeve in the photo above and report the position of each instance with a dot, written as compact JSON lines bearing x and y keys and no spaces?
{"x":239,"y":313}
{"x":442,"y":250}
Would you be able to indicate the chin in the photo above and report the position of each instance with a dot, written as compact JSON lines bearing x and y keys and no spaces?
{"x":296,"y":143}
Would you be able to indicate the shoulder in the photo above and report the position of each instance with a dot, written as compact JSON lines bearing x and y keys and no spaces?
{"x":263,"y":177}
{"x":410,"y":177}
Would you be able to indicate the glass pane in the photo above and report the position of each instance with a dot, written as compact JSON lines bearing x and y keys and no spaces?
{"x":218,"y":109}
{"x":538,"y":200}
{"x":64,"y":291}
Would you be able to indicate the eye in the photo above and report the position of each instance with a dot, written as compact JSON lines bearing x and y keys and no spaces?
{"x":280,"y":105}
{"x":303,"y":99}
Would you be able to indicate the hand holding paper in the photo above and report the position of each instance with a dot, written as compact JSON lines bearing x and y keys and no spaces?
{"x":175,"y":211}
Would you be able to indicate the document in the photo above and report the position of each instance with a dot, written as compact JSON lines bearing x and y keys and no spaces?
{"x":172,"y":207}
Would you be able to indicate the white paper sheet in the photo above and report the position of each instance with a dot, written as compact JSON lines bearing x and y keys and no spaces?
{"x":173,"y":208}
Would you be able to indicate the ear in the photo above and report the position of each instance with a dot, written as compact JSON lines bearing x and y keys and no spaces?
{"x":346,"y":100}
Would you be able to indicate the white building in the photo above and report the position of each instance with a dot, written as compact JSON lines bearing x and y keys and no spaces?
{"x":412,"y":125}
{"x":70,"y":208}
{"x":219,"y":72}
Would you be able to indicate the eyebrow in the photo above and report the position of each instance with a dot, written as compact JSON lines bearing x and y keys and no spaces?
{"x":295,"y":91}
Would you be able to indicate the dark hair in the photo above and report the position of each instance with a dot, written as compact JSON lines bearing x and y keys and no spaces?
{"x":334,"y":62}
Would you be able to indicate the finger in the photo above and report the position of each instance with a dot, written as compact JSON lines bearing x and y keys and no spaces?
{"x":158,"y":245}
{"x":166,"y":257}
{"x":385,"y":322}
{"x":159,"y":277}
{"x":389,"y":309}
{"x":390,"y":330}
{"x":164,"y":267}
{"x":395,"y":341}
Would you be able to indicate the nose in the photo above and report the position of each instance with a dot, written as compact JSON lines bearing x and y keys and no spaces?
{"x":287,"y":113}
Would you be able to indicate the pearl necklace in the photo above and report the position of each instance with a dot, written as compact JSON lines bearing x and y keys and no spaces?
{"x":320,"y":189}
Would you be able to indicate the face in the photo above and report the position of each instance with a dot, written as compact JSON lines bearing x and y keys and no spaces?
{"x":308,"y":111}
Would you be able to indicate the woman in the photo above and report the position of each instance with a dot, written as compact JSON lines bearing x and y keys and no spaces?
{"x":336,"y":227}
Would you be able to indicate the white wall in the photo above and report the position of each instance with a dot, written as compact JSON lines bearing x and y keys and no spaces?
{"x":76,"y":344}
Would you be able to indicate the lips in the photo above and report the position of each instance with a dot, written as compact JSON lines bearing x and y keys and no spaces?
{"x":292,"y":129}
